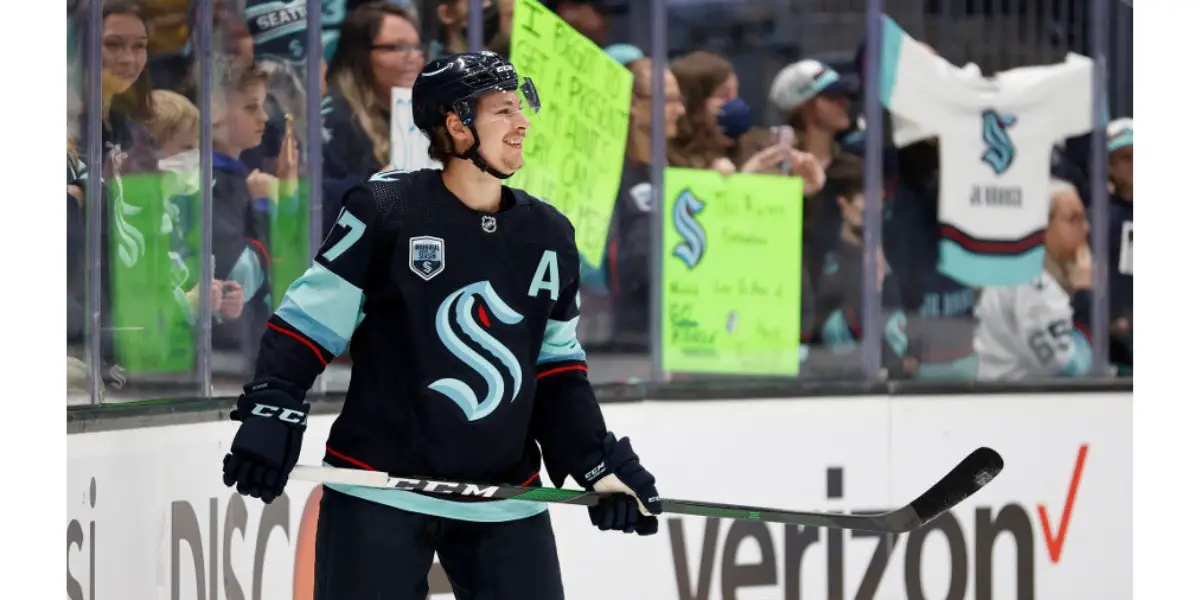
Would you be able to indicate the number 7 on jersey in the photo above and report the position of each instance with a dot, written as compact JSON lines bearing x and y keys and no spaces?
{"x":355,"y":229}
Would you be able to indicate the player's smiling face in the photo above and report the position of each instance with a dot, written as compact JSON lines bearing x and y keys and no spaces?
{"x":502,"y":124}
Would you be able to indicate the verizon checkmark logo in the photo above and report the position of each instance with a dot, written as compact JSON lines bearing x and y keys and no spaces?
{"x":1055,"y":540}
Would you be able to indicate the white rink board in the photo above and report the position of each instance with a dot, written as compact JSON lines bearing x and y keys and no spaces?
{"x":157,"y":489}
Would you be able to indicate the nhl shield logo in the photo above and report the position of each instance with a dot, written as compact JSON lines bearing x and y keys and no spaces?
{"x":426,"y":256}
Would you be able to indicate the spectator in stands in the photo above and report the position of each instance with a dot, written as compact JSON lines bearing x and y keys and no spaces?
{"x":709,"y":86}
{"x":1120,"y":240}
{"x":814,"y":100}
{"x":628,"y":247}
{"x":231,"y":41}
{"x":240,"y":256}
{"x":176,"y":128}
{"x":333,"y":14}
{"x":588,"y":17}
{"x":716,"y":117}
{"x":379,"y":49}
{"x":941,"y":321}
{"x":171,"y":43}
{"x":500,"y":41}
{"x":175,"y":124}
{"x":127,"y":149}
{"x":453,"y":17}
{"x":839,"y":287}
{"x":1037,"y":329}
{"x":624,"y":53}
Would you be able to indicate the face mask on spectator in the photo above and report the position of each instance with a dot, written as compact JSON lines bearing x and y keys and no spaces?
{"x":733,"y":118}
{"x":181,"y":173}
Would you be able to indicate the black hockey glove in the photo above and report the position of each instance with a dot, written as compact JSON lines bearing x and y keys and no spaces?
{"x":615,"y":468}
{"x":267,"y":445}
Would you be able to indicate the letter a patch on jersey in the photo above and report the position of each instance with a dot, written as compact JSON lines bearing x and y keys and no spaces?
{"x":426,"y":256}
{"x":546,"y":276}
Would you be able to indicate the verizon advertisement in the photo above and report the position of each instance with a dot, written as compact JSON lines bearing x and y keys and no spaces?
{"x":149,"y":518}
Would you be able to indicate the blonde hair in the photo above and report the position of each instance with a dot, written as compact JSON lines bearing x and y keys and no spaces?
{"x":368,"y":111}
{"x":351,"y":73}
{"x":174,"y":115}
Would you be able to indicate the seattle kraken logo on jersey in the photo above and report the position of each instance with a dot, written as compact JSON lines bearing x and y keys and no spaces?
{"x":1000,"y":151}
{"x":691,"y":250}
{"x":461,"y":308}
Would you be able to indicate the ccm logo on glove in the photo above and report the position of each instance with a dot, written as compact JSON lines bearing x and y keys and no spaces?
{"x":286,"y":415}
{"x":594,"y":473}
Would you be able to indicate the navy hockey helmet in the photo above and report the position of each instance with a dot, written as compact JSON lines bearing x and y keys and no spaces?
{"x":454,"y":83}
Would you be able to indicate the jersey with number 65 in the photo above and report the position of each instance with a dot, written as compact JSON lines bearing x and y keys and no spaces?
{"x":1029,"y":331}
{"x":461,"y":327}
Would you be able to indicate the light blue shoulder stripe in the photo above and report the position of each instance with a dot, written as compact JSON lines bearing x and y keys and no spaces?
{"x":496,"y":511}
{"x":560,"y":343}
{"x":324,"y":307}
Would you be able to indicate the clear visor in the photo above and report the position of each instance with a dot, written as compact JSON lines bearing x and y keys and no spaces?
{"x":518,"y":107}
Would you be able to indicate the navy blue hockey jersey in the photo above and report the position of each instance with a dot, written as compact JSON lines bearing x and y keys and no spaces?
{"x":461,"y":326}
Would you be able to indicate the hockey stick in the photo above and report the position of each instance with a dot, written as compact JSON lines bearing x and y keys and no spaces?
{"x":968,"y":477}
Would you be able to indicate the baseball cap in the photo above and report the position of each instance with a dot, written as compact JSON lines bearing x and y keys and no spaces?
{"x":624,"y":53}
{"x":802,"y":81}
{"x":1120,"y":134}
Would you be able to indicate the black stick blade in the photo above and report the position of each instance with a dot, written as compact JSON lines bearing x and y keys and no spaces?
{"x":968,"y":477}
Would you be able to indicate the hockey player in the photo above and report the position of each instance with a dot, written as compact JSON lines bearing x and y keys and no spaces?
{"x":458,"y":298}
{"x":1038,"y":329}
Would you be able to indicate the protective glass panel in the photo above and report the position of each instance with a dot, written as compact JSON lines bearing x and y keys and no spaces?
{"x":143,"y":294}
{"x":259,"y":213}
{"x":992,"y":237}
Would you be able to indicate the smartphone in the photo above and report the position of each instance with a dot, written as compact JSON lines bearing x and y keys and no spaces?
{"x":784,"y":136}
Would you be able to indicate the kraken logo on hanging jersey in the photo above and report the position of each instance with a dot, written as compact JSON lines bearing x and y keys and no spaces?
{"x":1000,"y":151}
{"x":691,"y":250}
{"x":460,"y":306}
{"x":426,"y":256}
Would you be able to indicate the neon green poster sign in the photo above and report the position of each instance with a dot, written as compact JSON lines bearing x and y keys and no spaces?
{"x":731,"y":273}
{"x":576,"y":148}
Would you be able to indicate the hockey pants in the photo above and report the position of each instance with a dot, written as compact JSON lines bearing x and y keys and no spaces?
{"x":368,"y":551}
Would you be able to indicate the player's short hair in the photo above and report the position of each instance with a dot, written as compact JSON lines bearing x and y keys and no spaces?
{"x":844,"y":177}
{"x":441,"y":145}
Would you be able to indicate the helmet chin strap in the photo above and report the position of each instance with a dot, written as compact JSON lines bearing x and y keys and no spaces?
{"x":472,"y":154}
